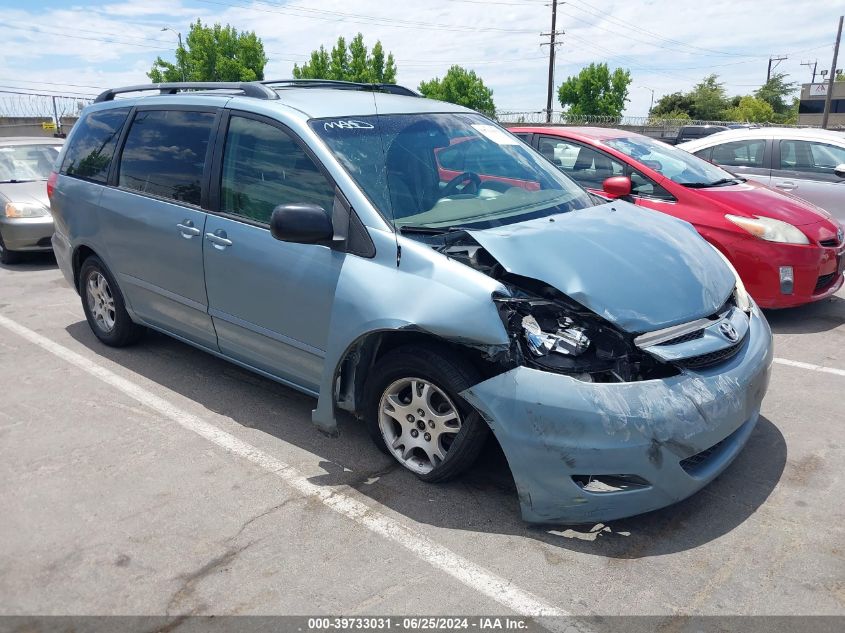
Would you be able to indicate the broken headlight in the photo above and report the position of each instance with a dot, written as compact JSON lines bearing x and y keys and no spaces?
{"x":565,"y":338}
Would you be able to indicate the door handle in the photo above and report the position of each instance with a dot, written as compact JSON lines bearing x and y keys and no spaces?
{"x":218,"y":240}
{"x":785,"y":184}
{"x":187,"y":229}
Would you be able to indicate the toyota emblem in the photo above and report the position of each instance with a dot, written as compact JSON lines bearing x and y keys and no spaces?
{"x":728,"y":331}
{"x":840,"y":234}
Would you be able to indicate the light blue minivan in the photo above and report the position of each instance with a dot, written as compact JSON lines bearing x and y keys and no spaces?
{"x":412,"y":262}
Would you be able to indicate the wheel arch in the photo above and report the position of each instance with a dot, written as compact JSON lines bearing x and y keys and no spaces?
{"x":350,"y":374}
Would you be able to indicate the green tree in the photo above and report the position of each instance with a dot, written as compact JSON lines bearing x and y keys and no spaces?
{"x":595,"y":90}
{"x":708,"y":99}
{"x":752,"y":110}
{"x":349,"y":63}
{"x":214,"y":53}
{"x":671,"y":105}
{"x":776,"y":92}
{"x":840,"y":76}
{"x":463,"y":87}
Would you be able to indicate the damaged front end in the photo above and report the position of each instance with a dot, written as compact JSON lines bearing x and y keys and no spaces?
{"x":599,"y":422}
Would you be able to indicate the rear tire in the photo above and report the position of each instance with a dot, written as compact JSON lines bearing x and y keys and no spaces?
{"x":104,"y":307}
{"x":6,"y":256}
{"x":414,"y":411}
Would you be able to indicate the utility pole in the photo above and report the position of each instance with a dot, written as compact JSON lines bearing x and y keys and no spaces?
{"x":832,"y":77}
{"x":56,"y":116}
{"x":551,"y":44}
{"x":777,"y":61}
{"x":179,"y":35}
{"x":814,"y":65}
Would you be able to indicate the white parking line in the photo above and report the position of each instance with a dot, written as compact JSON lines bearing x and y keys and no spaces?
{"x":810,"y":366}
{"x":463,"y":570}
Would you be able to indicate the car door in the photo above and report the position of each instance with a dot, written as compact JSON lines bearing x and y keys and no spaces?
{"x":270,"y":301}
{"x":590,"y":167}
{"x":153,"y":219}
{"x":806,"y":169}
{"x":749,"y":158}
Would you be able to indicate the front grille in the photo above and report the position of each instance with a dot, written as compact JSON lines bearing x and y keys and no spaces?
{"x":711,"y":358}
{"x":694,"y":462}
{"x":829,"y":243}
{"x":689,"y":336}
{"x":824,"y":281}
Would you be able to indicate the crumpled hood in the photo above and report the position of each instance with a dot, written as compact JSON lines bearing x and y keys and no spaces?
{"x":639,"y":269}
{"x":34,"y":191}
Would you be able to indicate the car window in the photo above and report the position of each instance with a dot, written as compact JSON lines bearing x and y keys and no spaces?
{"x":810,"y":156}
{"x":704,"y":153}
{"x":92,"y":143}
{"x":590,"y":167}
{"x":164,"y":154}
{"x":264,"y":167}
{"x":747,"y":153}
{"x":27,"y":162}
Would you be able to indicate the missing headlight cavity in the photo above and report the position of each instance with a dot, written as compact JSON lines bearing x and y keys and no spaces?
{"x":549,"y":330}
{"x":557,"y":334}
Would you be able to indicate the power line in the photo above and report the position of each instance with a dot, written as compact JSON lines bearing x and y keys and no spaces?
{"x":338,"y":16}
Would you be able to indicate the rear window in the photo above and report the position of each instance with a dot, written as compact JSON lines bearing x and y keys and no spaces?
{"x":92,"y":143}
{"x":164,"y":154}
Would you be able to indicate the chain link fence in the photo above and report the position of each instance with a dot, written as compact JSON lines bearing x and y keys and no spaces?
{"x":35,"y":114}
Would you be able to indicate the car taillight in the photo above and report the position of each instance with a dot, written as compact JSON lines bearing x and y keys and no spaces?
{"x":51,"y":184}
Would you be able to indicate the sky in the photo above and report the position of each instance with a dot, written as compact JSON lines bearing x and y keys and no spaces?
{"x":79,"y":47}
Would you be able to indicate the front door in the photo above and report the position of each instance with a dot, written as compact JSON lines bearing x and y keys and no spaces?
{"x":270,"y":301}
{"x":807,"y":169}
{"x":154,"y":221}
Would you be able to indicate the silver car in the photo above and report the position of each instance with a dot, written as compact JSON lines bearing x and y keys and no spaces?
{"x":25,"y":220}
{"x":807,"y":163}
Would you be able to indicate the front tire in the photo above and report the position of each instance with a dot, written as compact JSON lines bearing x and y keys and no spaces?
{"x":104,"y":307}
{"x":415,"y":413}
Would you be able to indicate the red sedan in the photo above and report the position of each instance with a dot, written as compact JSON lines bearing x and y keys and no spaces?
{"x":787,"y":251}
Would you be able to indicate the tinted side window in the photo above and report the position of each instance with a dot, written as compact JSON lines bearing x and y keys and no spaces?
{"x":810,"y":157}
{"x":704,"y":153}
{"x":164,"y":154}
{"x":586,"y":166}
{"x":740,"y":153}
{"x":263,"y":167}
{"x":92,"y":144}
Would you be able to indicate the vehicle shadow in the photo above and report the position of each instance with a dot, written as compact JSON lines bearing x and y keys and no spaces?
{"x":820,"y":316}
{"x":30,"y":262}
{"x":483,"y":500}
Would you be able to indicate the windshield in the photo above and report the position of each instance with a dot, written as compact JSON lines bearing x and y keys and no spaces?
{"x":676,"y":164}
{"x":27,"y":162}
{"x":441,"y":171}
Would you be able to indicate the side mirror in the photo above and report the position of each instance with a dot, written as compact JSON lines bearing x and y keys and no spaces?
{"x":302,"y":224}
{"x":839,"y":170}
{"x":617,"y":187}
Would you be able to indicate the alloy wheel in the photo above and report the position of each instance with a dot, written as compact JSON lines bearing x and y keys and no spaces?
{"x":100,"y":301}
{"x":419,"y":422}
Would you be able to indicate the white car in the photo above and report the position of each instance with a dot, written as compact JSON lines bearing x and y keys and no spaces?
{"x":805,"y":162}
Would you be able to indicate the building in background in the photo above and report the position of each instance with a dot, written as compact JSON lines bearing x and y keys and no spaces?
{"x":811,"y":107}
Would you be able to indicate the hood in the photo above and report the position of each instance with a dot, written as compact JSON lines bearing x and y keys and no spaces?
{"x":752,"y":198}
{"x":639,"y":269}
{"x":33,"y":191}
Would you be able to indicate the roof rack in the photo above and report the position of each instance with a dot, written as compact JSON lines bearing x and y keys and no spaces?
{"x":342,"y":85}
{"x":248,"y":88}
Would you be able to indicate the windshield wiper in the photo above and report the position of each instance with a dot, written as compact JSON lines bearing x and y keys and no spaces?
{"x":715,"y":183}
{"x":17,"y":180}
{"x":431,"y":230}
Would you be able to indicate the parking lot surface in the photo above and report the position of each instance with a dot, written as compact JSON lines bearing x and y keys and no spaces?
{"x":158,"y":479}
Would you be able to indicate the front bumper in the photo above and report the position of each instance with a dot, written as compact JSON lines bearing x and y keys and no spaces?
{"x":553,"y":427}
{"x":817,"y":271}
{"x":27,"y":234}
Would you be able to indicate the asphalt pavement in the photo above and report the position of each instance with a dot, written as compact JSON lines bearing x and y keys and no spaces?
{"x":160,"y":480}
